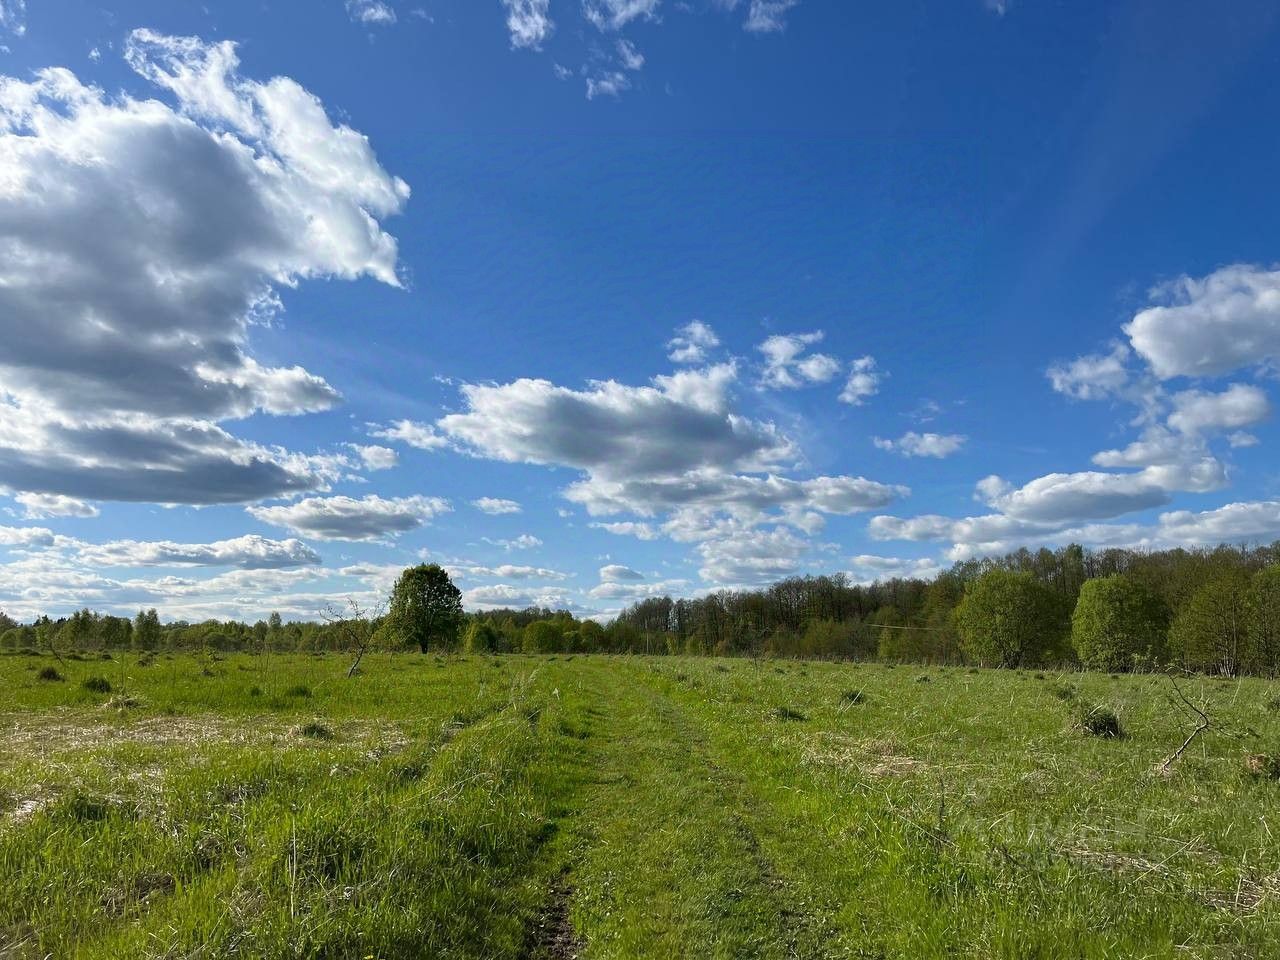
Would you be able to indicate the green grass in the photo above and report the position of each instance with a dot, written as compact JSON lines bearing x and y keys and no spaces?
{"x":628,"y":807}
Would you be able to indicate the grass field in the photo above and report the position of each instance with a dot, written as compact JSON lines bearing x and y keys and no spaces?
{"x":610,"y":807}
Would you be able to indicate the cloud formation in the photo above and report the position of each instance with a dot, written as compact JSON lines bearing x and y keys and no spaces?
{"x":142,"y":241}
{"x":345,"y":518}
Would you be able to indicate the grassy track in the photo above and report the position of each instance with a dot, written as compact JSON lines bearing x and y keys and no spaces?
{"x":608,"y":808}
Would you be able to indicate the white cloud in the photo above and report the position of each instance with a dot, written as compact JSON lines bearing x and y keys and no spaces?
{"x":630,"y":58}
{"x":616,"y":14}
{"x":526,"y":541}
{"x":1212,"y":325}
{"x":13,"y":16}
{"x":628,"y":528}
{"x":375,"y":457}
{"x":529,"y":23}
{"x":1198,"y":411}
{"x":507,"y":595}
{"x":787,"y":366}
{"x":616,"y":571}
{"x":371,"y":12}
{"x":864,"y":381}
{"x":28,"y":537}
{"x":1094,"y":376}
{"x":495,"y":506}
{"x":912,"y":444}
{"x":507,"y":571}
{"x":250,"y":552}
{"x":607,"y":83}
{"x":421,"y":436}
{"x":869,"y":568}
{"x":141,"y":243}
{"x":691,"y":343}
{"x":749,"y":557}
{"x":344,"y":518}
{"x":39,"y":506}
{"x":614,"y":590}
{"x":1093,"y":495}
{"x":768,"y":16}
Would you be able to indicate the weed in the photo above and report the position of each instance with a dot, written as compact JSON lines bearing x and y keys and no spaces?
{"x":1100,"y":721}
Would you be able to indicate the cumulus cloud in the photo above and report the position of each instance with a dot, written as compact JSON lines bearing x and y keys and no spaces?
{"x":371,"y":12}
{"x":345,"y":518}
{"x":747,"y":557}
{"x":679,"y":424}
{"x":691,"y":343}
{"x":1212,"y":325}
{"x":616,"y":590}
{"x":1094,"y":376}
{"x":495,"y":506}
{"x":1200,"y":411}
{"x":508,"y":595}
{"x":421,"y":436}
{"x":529,"y":23}
{"x":141,"y":242}
{"x":864,"y":381}
{"x":628,"y":528}
{"x":912,"y":444}
{"x":788,"y":364}
{"x":870,"y":568}
{"x":375,"y":457}
{"x":39,"y":506}
{"x":616,"y":571}
{"x":507,"y":571}
{"x":250,"y":552}
{"x":526,"y":541}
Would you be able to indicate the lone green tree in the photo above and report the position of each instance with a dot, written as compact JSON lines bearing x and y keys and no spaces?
{"x":1009,"y":619}
{"x":426,"y":607}
{"x":1117,"y":624}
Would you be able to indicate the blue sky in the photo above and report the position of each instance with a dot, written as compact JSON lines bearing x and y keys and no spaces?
{"x":591,"y":301}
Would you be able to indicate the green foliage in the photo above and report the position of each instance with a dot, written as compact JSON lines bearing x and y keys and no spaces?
{"x":426,"y":607}
{"x":480,"y":637}
{"x":1009,"y":619}
{"x":1210,"y":632}
{"x":97,"y":684}
{"x":1264,"y":621}
{"x":543,"y":636}
{"x":1100,"y":721}
{"x":146,"y":630}
{"x":1118,"y":623}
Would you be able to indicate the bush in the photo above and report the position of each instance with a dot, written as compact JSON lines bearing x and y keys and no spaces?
{"x":315,"y":731}
{"x":1100,"y":721}
{"x":1117,"y":624}
{"x":97,"y":685}
{"x":49,"y":673}
{"x":786,"y":713}
{"x":1009,"y":619}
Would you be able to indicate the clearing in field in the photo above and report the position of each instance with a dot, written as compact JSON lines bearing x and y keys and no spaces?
{"x":629,"y":807}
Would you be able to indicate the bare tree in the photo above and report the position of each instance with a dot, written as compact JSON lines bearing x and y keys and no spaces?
{"x":357,"y":624}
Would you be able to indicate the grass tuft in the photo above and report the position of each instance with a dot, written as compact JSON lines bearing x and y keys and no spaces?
{"x":97,"y":684}
{"x":1100,"y":721}
{"x":51,"y":674}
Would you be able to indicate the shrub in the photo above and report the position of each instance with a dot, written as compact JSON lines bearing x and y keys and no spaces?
{"x":1100,"y":721}
{"x":97,"y":685}
{"x":49,"y":673}
{"x":315,"y":730}
{"x":1117,"y":623}
{"x":1009,"y":619}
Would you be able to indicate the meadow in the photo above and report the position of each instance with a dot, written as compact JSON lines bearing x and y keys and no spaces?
{"x":610,"y":807}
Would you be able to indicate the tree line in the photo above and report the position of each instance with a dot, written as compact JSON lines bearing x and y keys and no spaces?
{"x":1211,"y":610}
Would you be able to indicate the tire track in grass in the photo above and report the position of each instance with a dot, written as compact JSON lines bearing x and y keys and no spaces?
{"x":667,"y":864}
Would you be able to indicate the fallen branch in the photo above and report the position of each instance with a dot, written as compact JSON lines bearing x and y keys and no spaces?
{"x":1202,"y":726}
